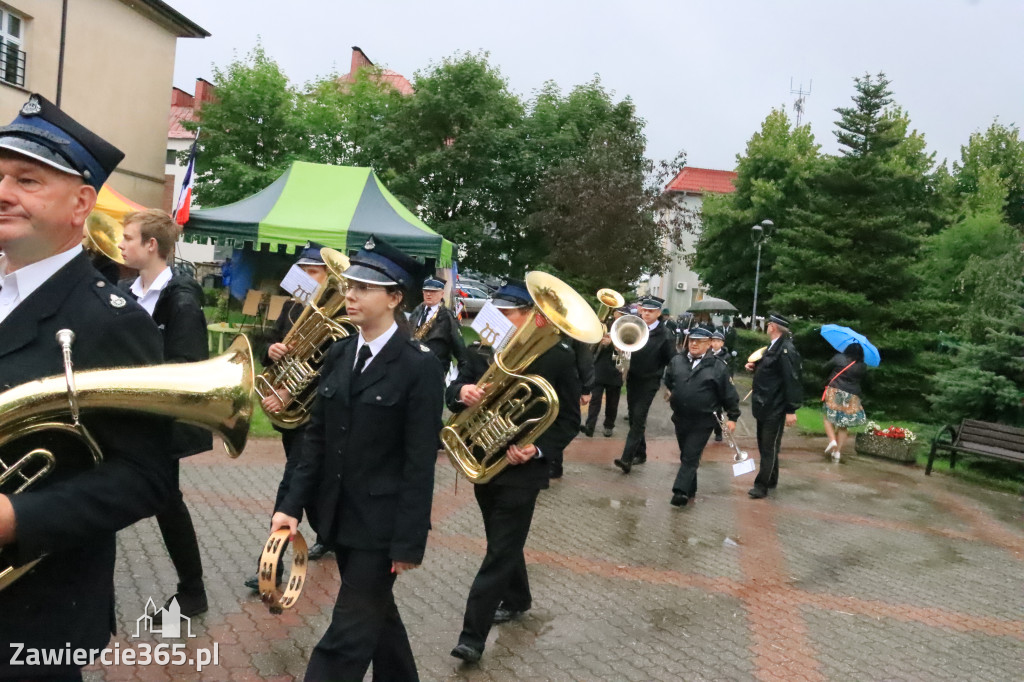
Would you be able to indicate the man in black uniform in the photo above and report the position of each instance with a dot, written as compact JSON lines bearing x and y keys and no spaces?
{"x":728,"y":333}
{"x":776,"y":395}
{"x":51,"y":169}
{"x":436,"y":326}
{"x":501,"y":589}
{"x":644,"y":377}
{"x":720,"y":351}
{"x":607,"y":384}
{"x":176,"y":304}
{"x":699,"y":384}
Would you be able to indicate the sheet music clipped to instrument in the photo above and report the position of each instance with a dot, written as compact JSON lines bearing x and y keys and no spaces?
{"x":494,"y":328}
{"x":299,"y":284}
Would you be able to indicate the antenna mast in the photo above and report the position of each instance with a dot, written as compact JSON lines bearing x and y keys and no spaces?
{"x":801,"y":98}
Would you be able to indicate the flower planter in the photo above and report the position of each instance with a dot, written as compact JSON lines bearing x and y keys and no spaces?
{"x":879,"y":446}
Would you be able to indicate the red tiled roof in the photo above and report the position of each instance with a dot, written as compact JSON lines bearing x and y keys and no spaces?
{"x":174,"y":127}
{"x":392,"y":78}
{"x":701,"y":180}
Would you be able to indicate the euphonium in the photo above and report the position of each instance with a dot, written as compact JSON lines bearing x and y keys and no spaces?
{"x":629,"y":333}
{"x":298,"y":371}
{"x":518,"y":408}
{"x":609,"y":300}
{"x":102,"y":234}
{"x":214,"y":394}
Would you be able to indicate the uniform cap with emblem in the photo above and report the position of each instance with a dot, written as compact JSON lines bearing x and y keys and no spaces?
{"x":775,"y":318}
{"x":512,"y":294}
{"x":311,"y":255}
{"x":380,"y":263}
{"x":699,"y":333}
{"x":652,"y":303}
{"x":718,"y":335}
{"x":433,"y":284}
{"x":46,"y":134}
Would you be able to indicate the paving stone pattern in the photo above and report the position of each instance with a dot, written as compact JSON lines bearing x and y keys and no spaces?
{"x":863,"y":570}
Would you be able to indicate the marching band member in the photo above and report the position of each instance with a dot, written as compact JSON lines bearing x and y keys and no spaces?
{"x":699,"y":384}
{"x":776,"y":396}
{"x":501,"y":589}
{"x":367,"y":465}
{"x":51,"y":168}
{"x":312,"y":263}
{"x":607,"y":384}
{"x":720,"y":351}
{"x":436,"y":326}
{"x":176,"y":304}
{"x":642,"y":381}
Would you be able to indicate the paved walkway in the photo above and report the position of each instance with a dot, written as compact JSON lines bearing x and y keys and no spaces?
{"x":864,"y":570}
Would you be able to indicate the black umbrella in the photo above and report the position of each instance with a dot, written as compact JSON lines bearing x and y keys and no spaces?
{"x":712,"y":305}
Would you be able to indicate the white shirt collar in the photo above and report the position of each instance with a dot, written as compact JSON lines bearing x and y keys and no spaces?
{"x":376,"y":346}
{"x":652,"y":325}
{"x":148,"y":300}
{"x":20,"y":284}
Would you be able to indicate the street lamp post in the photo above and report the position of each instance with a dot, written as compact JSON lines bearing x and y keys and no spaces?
{"x":759,"y":234}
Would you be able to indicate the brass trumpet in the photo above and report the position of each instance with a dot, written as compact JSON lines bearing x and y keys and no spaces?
{"x":215,"y":394}
{"x":740,"y":454}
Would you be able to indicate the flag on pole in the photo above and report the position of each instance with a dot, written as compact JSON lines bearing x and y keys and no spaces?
{"x":181,"y":210}
{"x":457,"y":305}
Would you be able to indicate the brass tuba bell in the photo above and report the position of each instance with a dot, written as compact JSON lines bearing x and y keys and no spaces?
{"x":629,"y":334}
{"x":102,"y":234}
{"x":215,"y":394}
{"x":518,"y":408}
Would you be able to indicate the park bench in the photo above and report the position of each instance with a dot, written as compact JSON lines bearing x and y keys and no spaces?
{"x":983,"y":439}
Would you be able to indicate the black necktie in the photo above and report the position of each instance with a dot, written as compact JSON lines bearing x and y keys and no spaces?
{"x":364,"y":355}
{"x":423,"y":320}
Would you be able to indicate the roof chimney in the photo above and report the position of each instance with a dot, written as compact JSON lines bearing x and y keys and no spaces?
{"x":205,"y":92}
{"x":359,"y":60}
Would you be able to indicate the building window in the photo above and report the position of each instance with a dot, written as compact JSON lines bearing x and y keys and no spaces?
{"x":172,"y":157}
{"x":12,"y":57}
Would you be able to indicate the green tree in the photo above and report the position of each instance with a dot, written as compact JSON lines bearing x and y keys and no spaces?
{"x":771,"y":181}
{"x":1001,"y":149}
{"x":250,"y":134}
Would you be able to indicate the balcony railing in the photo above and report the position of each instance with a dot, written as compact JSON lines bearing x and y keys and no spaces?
{"x":12,"y":63}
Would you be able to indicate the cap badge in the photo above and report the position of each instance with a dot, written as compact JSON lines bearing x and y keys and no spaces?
{"x":117,"y":301}
{"x":31,"y":107}
{"x":369,"y":246}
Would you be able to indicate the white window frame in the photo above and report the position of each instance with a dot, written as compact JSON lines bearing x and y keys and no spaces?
{"x":9,"y":39}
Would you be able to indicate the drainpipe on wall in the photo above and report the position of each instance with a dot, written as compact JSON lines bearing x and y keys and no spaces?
{"x":60,"y":59}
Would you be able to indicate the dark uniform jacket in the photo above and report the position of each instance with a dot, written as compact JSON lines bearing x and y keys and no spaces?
{"x":649,"y":362}
{"x":179,"y":317}
{"x":850,"y":378}
{"x":605,"y":371}
{"x":367,"y":464}
{"x":584,"y":364}
{"x":725,"y":356}
{"x":703,"y":390}
{"x":69,"y":596}
{"x":776,"y":387}
{"x":444,"y":337}
{"x":558,"y":366}
{"x":730,"y":335}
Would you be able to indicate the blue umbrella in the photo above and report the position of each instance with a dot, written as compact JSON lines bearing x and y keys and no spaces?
{"x":841,"y":337}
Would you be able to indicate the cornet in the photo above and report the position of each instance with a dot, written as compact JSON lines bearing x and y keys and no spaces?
{"x":740,"y":454}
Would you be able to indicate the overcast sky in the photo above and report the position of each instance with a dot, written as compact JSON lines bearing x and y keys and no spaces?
{"x":703,"y":74}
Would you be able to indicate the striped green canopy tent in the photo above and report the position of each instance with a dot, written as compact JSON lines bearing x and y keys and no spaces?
{"x":337,"y":206}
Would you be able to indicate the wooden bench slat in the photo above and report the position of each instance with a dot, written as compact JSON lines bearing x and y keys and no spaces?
{"x":983,"y":439}
{"x":993,"y":441}
{"x":995,"y":452}
{"x":991,"y":426}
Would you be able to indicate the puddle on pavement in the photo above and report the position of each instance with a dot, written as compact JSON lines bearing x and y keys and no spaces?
{"x":613,"y":503}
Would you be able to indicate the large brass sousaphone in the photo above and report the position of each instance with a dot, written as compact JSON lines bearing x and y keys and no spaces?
{"x":215,"y":394}
{"x":518,"y":408}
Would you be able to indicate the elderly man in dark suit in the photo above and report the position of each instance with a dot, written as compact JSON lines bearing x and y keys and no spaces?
{"x":436,"y":326}
{"x":51,"y":168}
{"x":501,"y":589}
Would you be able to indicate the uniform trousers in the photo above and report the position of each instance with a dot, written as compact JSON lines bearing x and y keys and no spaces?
{"x":611,"y":394}
{"x":692,"y":433}
{"x":640,"y":393}
{"x":502,"y":578}
{"x":365,"y":625}
{"x":769,"y":441}
{"x":180,"y":538}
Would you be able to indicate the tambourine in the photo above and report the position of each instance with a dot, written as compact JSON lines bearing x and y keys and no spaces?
{"x":278,"y":600}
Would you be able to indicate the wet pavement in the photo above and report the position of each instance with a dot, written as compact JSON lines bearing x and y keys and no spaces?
{"x":864,"y":570}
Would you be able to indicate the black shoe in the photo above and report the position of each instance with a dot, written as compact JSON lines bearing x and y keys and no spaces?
{"x":679,"y":499}
{"x":637,"y":462}
{"x":189,"y":604}
{"x":467,"y":653}
{"x":608,"y":433}
{"x":718,"y":438}
{"x":587,"y":431}
{"x":555,"y":471}
{"x":624,"y":464}
{"x":757,"y":493}
{"x":504,"y":615}
{"x":253,"y":583}
{"x":317,"y":551}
